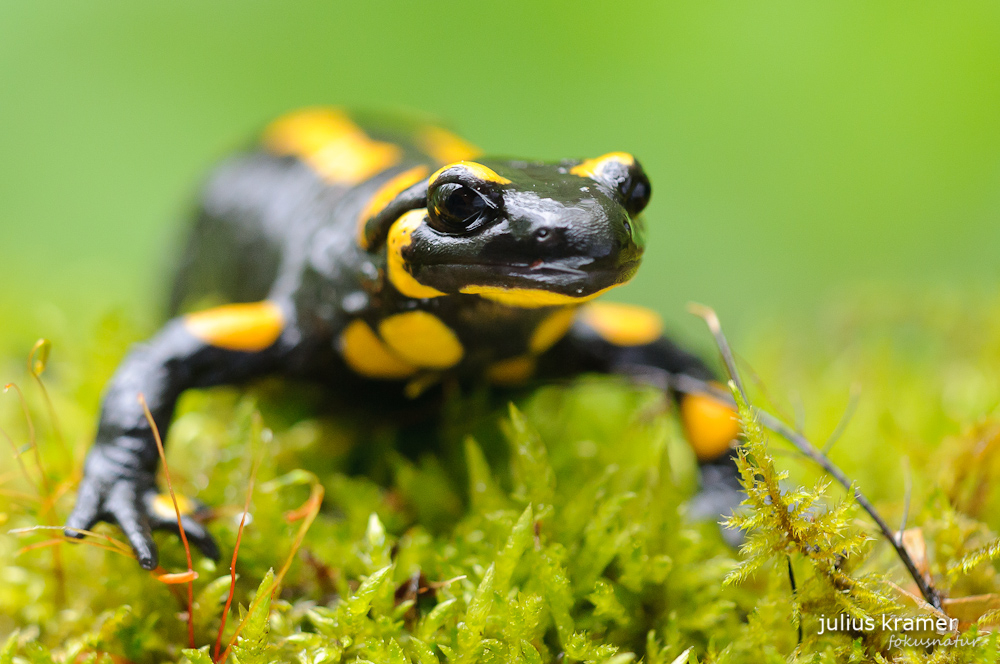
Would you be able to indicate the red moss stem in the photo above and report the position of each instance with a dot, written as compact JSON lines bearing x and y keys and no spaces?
{"x":307,"y":512}
{"x":236,"y":553}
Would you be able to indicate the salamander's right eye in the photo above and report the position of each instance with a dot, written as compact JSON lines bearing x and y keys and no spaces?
{"x":456,"y":208}
{"x":635,"y":191}
{"x":621,"y":172}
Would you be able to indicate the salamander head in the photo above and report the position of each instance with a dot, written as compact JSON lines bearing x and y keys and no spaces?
{"x":521,"y":233}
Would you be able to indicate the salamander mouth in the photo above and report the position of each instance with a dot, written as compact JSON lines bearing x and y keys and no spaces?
{"x":557,"y":278}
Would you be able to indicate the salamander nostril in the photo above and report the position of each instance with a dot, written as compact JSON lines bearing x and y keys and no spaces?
{"x":549,"y":236}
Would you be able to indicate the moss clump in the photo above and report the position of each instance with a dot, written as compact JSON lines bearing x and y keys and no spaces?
{"x":553,"y":530}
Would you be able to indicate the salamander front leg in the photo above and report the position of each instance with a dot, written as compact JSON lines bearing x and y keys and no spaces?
{"x":224,"y":345}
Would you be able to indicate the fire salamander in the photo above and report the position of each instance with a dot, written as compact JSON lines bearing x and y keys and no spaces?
{"x":384,"y":260}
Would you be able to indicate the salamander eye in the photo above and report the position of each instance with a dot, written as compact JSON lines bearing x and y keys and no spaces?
{"x":635,"y":191}
{"x":455,"y":207}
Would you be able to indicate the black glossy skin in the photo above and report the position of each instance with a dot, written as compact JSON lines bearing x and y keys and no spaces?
{"x":270,"y":228}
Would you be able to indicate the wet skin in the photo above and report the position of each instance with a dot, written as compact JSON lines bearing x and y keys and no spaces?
{"x":385,"y":260}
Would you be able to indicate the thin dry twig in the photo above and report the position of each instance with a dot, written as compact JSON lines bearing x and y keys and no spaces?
{"x":928,"y":591}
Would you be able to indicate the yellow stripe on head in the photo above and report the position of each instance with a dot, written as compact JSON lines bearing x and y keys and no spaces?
{"x":591,"y":168}
{"x":336,"y":148}
{"x":444,"y":146}
{"x":423,"y":339}
{"x":529,"y":298}
{"x":368,"y":356}
{"x":388,"y":191}
{"x":623,"y":324}
{"x":242,"y":327}
{"x":478,"y":171}
{"x":400,"y":237}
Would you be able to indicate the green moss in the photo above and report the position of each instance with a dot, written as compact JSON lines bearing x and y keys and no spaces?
{"x":552,"y":529}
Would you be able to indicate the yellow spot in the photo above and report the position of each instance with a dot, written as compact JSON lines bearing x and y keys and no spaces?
{"x":388,"y":191}
{"x":529,"y":298}
{"x":553,"y":328}
{"x":163,"y":506}
{"x":478,"y":171}
{"x":422,"y":339}
{"x":244,"y":327}
{"x":398,"y":240}
{"x":366,"y":355}
{"x":513,"y":371}
{"x":591,"y":168}
{"x":623,"y":324}
{"x":331,"y":144}
{"x":444,"y":146}
{"x":710,"y":425}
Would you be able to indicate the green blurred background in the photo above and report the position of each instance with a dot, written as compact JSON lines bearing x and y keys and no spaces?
{"x":794,"y":147}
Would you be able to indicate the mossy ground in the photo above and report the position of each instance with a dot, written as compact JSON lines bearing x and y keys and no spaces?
{"x":554,"y":531}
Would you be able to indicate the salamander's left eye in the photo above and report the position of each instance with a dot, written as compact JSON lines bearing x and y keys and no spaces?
{"x":455,"y":208}
{"x":635,"y":191}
